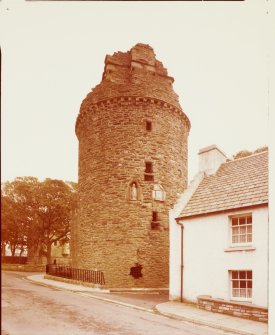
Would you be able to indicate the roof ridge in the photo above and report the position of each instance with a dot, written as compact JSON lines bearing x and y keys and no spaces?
{"x":246,"y":157}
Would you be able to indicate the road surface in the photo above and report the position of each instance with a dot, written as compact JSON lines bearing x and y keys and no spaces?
{"x":31,"y":309}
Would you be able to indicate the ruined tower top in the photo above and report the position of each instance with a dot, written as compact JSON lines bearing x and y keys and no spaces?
{"x":134,"y":74}
{"x":140,"y":57}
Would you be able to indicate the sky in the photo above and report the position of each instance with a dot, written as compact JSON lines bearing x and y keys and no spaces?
{"x":53,"y":55}
{"x":219,"y":54}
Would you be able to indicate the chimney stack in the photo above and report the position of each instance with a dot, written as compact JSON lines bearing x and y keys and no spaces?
{"x":210,"y":159}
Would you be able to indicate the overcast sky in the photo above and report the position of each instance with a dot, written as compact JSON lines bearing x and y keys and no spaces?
{"x":53,"y":55}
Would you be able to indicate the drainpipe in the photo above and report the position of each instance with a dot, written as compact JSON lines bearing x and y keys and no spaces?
{"x":181,"y":263}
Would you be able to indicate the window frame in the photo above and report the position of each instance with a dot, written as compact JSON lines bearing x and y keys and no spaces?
{"x":241,"y":282}
{"x":247,"y":227}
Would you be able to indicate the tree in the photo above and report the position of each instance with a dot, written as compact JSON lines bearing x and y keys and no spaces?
{"x":13,"y":228}
{"x":257,"y":151}
{"x":56,"y":204}
{"x":241,"y":154}
{"x":47,"y":208}
{"x":4,"y":224}
{"x":245,"y":153}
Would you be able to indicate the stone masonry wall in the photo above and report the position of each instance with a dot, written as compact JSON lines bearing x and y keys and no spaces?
{"x":113,"y":232}
{"x":242,"y":310}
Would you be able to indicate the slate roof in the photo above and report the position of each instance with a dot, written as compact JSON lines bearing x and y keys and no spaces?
{"x":239,"y":183}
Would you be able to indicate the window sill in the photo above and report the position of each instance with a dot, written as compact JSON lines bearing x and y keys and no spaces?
{"x":240,"y":248}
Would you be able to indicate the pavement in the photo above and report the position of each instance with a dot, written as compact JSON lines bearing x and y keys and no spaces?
{"x":173,"y":309}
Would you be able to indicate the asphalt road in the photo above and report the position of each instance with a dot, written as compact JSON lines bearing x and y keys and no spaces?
{"x":31,"y":309}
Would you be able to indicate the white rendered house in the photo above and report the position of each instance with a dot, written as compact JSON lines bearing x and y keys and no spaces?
{"x":219,"y":231}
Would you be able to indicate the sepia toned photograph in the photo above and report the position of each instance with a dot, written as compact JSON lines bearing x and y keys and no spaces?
{"x":135,"y":167}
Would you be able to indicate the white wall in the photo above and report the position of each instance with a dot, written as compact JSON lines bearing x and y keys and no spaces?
{"x":206,"y":263}
{"x":175,"y":238}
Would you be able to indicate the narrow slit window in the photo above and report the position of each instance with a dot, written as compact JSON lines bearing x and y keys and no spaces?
{"x":148,"y":167}
{"x":148,"y":173}
{"x":155,"y":216}
{"x":149,"y":125}
{"x":155,"y":223}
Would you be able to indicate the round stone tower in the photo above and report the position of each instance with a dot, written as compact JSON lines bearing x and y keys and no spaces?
{"x":132,"y":137}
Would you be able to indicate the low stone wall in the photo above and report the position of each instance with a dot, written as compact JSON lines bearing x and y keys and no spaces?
{"x":239,"y":309}
{"x":24,"y":267}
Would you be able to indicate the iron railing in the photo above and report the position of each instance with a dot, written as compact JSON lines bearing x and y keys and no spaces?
{"x":65,"y":271}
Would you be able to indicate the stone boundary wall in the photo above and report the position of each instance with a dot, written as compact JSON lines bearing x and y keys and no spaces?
{"x":24,"y":267}
{"x":239,"y":309}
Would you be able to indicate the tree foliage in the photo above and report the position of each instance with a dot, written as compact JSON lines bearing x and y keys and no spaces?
{"x":262,"y":149}
{"x":243,"y":153}
{"x":13,"y":232}
{"x":45,"y":209}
